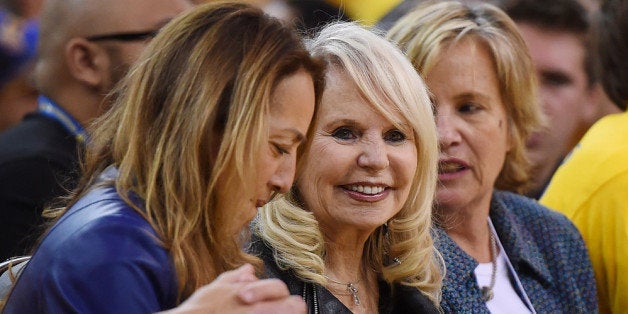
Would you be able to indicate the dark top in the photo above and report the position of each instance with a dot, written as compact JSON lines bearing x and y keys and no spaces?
{"x":102,"y":256}
{"x":546,"y":251}
{"x":38,"y":162}
{"x":400,"y":299}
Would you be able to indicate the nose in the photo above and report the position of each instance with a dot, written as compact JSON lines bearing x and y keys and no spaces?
{"x":448,"y":134}
{"x":282,"y":180}
{"x":374,"y":155}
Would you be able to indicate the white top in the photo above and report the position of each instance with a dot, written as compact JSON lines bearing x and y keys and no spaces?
{"x":505,"y":299}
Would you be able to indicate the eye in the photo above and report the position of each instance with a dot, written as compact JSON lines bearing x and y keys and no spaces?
{"x":280,"y":150}
{"x":555,"y":79}
{"x":344,"y":133}
{"x":469,"y":107}
{"x":394,"y":136}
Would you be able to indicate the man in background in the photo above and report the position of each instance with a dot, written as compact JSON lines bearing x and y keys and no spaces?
{"x":85,"y":48}
{"x":591,"y":187}
{"x":557,"y":35}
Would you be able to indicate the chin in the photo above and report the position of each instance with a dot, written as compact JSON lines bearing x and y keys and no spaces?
{"x":446,"y":200}
{"x":370,"y":223}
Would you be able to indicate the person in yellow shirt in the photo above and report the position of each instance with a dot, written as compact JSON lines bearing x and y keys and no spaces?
{"x":591,"y":187}
{"x":366,"y":12}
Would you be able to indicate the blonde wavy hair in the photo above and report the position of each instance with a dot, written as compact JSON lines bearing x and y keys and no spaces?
{"x":434,"y":26}
{"x":387,"y":80}
{"x":185,"y":126}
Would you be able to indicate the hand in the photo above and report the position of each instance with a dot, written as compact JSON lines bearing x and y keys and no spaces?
{"x":239,"y":291}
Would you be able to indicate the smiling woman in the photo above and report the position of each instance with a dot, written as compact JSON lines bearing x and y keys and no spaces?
{"x":353,"y":234}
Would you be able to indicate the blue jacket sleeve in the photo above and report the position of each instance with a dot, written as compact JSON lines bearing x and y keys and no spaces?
{"x":111,"y":264}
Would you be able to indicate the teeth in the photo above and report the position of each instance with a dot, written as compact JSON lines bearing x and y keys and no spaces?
{"x":449,"y":167}
{"x":371,"y":190}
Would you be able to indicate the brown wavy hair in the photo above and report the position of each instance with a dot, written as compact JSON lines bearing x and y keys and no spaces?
{"x":185,"y":126}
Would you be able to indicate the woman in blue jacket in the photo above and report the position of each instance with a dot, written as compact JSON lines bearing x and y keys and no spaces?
{"x":204,"y":130}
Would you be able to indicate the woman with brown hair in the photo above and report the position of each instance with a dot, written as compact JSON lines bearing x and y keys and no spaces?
{"x":204,"y":130}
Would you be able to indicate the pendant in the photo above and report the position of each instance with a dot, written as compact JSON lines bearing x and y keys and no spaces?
{"x":354,"y":291}
{"x":487,"y":294}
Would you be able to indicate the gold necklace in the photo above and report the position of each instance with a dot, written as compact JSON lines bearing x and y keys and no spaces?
{"x":351,"y":287}
{"x":487,"y":291}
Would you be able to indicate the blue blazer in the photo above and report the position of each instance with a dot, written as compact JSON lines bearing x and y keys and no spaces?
{"x":546,"y":251}
{"x":101,"y":257}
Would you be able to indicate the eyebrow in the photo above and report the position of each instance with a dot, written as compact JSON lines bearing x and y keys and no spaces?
{"x":472,"y":96}
{"x":343,"y":121}
{"x":297,"y":137}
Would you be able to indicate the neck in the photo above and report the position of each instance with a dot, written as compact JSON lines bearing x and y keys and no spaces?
{"x":344,"y":265}
{"x":82,"y":105}
{"x":468,"y":227}
{"x":344,"y":262}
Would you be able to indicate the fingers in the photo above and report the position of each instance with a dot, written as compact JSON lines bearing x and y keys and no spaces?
{"x":239,"y":291}
{"x":244,"y":273}
{"x":261,"y":290}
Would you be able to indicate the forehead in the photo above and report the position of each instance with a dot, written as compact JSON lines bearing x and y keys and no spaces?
{"x":467,"y":63}
{"x":343,"y":98}
{"x":552,"y":48}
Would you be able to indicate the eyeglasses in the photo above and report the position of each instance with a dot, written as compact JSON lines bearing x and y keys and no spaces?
{"x":128,"y":36}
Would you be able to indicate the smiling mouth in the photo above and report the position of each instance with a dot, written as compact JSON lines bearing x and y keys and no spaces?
{"x":365,"y":189}
{"x":450,"y":167}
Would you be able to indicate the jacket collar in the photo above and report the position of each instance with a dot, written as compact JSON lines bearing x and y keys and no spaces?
{"x":519,"y":244}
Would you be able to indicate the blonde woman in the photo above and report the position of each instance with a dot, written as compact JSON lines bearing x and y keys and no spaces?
{"x":353,"y":235}
{"x":204,"y":130}
{"x":504,"y":252}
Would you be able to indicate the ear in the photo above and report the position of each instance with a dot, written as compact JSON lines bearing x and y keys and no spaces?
{"x":87,"y":62}
{"x":603,"y":104}
{"x":591,"y":104}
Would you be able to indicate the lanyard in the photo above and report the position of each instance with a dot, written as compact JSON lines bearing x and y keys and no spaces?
{"x":48,"y":108}
{"x":517,"y":282}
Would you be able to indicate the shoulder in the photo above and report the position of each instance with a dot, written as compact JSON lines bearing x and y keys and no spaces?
{"x":529,"y":213}
{"x":101,"y":253}
{"x":37,"y":137}
{"x":596,"y":165}
{"x":520,"y":217}
{"x":547,"y":252}
{"x":408,"y":300}
{"x":100,"y":213}
{"x":262,"y":250}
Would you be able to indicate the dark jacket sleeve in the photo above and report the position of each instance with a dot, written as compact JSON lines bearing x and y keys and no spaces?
{"x":26,"y":187}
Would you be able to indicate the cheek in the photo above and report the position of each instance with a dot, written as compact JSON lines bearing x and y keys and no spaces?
{"x":266,"y":166}
{"x":325,"y":164}
{"x":495,"y":146}
{"x":405,"y":166}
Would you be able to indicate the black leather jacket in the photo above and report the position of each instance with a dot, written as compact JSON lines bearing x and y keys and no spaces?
{"x":319,"y":300}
